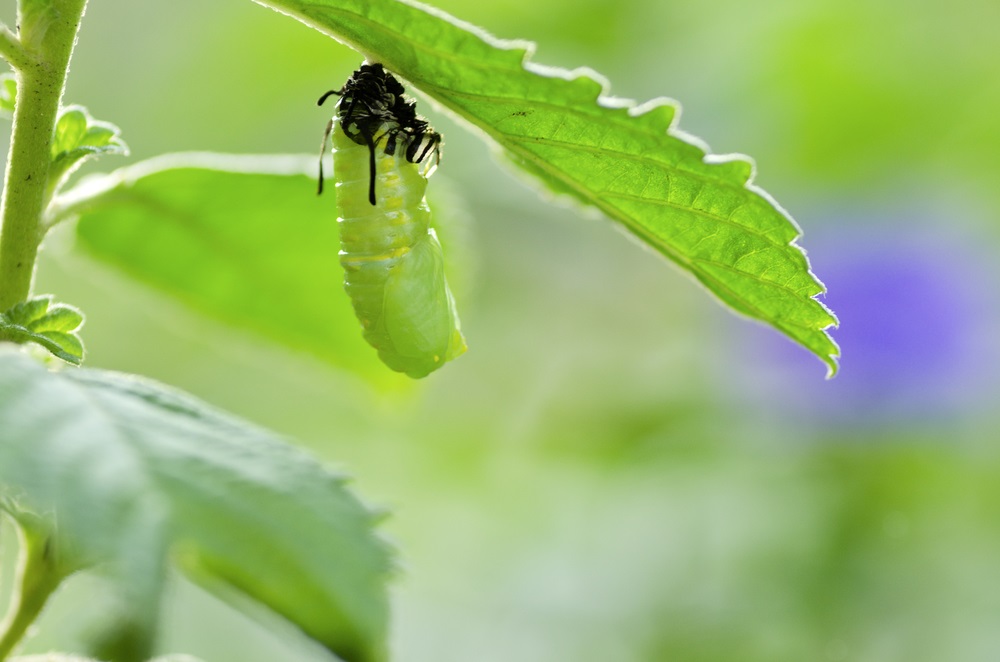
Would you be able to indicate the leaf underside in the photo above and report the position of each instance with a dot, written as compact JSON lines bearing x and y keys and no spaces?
{"x":631,"y":162}
{"x":243,"y":239}
{"x":134,"y":470}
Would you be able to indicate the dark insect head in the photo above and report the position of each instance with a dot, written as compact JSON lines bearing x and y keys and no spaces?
{"x":372,"y":109}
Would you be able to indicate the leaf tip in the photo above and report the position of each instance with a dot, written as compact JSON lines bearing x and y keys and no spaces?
{"x":832,"y":360}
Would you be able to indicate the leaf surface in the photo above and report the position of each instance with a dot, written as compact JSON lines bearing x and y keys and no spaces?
{"x":53,"y":326}
{"x":630,"y":161}
{"x":79,"y":137}
{"x":133,"y":469}
{"x":243,"y":239}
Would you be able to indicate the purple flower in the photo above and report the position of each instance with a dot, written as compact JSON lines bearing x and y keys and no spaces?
{"x":918,"y":308}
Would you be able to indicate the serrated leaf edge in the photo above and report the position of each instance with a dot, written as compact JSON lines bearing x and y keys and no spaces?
{"x":92,"y":122}
{"x":603,"y":99}
{"x":17,"y":329}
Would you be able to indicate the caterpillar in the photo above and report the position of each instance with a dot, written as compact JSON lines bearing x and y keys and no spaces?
{"x":383,"y":153}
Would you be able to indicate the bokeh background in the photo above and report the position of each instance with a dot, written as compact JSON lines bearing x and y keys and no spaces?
{"x":620,"y":469}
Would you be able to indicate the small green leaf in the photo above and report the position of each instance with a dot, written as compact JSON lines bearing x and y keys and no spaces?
{"x":29,"y":312}
{"x":133,"y":469}
{"x":58,"y":318}
{"x":630,"y":161}
{"x":71,"y":127}
{"x":66,"y":346}
{"x":78,"y":136}
{"x":243,"y":239}
{"x":54,"y":327}
{"x":8,"y":95}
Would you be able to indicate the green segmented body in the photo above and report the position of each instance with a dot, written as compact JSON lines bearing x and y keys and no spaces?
{"x":392,"y":259}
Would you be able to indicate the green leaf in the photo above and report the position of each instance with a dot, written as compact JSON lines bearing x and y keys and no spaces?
{"x":244,"y":239}
{"x":8,"y":95}
{"x":78,"y":137}
{"x":630,"y":161}
{"x":54,"y":327}
{"x":132,"y":469}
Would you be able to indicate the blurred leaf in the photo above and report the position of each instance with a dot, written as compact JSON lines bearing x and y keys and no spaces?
{"x":702,"y":212}
{"x":244,"y":239}
{"x":131,"y":468}
{"x":856,"y":99}
{"x":8,"y":95}
{"x":53,"y":327}
{"x":78,"y":137}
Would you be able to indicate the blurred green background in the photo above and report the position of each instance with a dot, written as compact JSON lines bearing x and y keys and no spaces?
{"x":619,"y":469}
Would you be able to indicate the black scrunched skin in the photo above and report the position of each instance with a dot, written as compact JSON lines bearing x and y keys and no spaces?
{"x":371,"y":109}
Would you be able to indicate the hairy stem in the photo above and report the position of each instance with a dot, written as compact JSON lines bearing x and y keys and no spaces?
{"x":47,"y":34}
{"x":12,"y":50}
{"x":37,"y":577}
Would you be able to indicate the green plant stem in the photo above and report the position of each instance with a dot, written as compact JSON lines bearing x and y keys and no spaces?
{"x":48,"y":35}
{"x":12,"y":50}
{"x":38,"y":576}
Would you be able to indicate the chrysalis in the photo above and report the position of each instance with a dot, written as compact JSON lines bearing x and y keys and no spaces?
{"x":383,"y":154}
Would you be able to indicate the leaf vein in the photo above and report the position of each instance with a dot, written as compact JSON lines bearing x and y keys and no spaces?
{"x":698,"y":212}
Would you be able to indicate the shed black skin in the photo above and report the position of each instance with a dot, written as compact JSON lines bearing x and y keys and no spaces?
{"x":372,"y":107}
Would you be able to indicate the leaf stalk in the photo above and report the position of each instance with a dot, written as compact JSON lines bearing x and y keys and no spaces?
{"x":38,"y":576}
{"x":12,"y":50}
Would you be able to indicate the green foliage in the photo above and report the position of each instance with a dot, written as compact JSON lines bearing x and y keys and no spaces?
{"x":243,"y":239}
{"x":133,"y":470}
{"x":111,"y":472}
{"x":700,"y":211}
{"x":53,"y":326}
{"x":79,"y":137}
